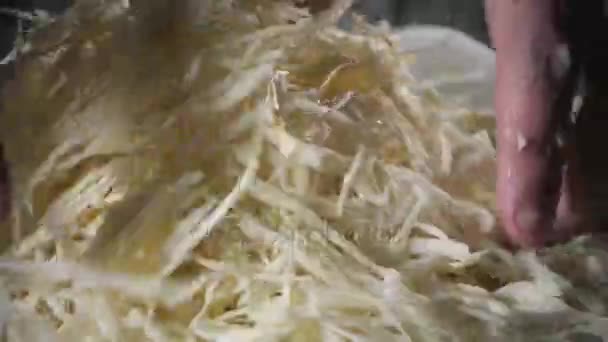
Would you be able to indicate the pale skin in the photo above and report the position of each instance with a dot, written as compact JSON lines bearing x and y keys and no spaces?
{"x":540,"y":193}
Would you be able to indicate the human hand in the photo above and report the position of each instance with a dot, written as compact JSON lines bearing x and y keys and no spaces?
{"x":542,"y":197}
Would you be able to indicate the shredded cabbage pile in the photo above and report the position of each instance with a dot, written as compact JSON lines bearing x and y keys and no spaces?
{"x":243,"y":170}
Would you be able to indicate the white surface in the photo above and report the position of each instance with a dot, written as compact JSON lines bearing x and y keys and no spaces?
{"x":459,"y":67}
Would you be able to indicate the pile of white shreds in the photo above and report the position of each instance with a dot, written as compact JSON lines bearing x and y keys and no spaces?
{"x":241,"y":171}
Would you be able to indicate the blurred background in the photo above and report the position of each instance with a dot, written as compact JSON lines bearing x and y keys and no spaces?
{"x":8,"y":23}
{"x":463,"y":15}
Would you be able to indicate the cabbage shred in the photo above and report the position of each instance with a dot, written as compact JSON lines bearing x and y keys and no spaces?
{"x":246,"y":171}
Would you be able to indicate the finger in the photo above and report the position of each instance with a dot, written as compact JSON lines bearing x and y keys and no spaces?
{"x":571,"y":218}
{"x":527,"y":44}
{"x":5,"y":193}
